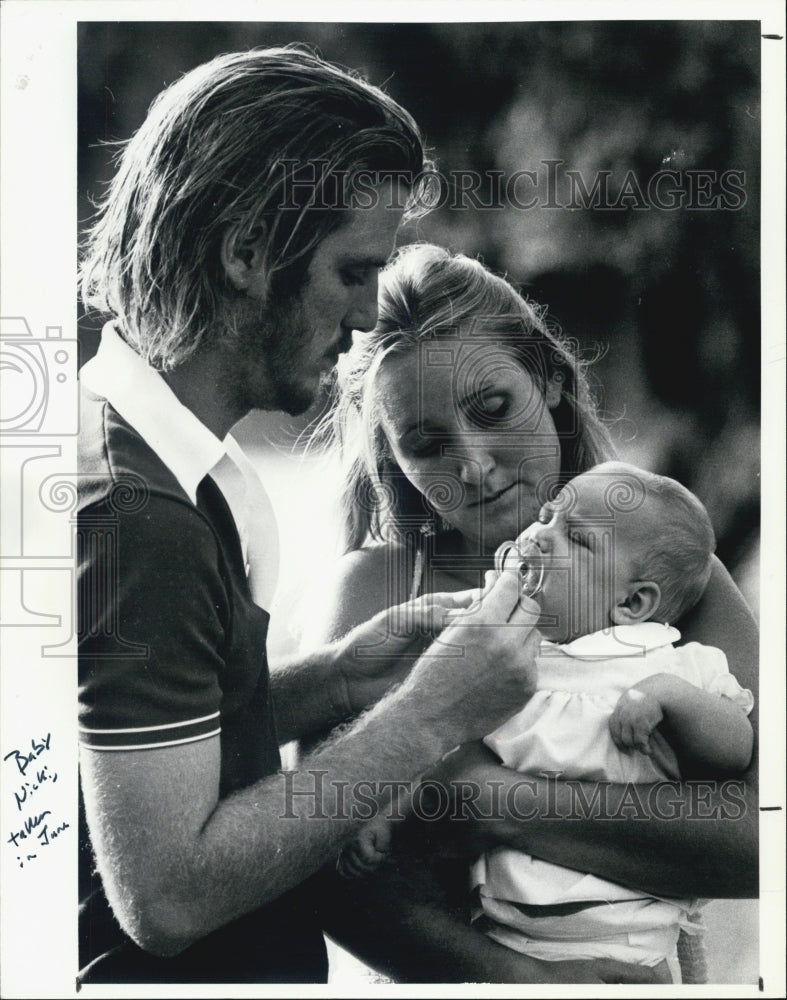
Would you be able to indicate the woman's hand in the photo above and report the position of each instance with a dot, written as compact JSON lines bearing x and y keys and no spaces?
{"x":402,"y":921}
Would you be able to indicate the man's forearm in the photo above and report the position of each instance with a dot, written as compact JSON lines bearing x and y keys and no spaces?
{"x":179,"y":859}
{"x":191,"y":874}
{"x":302,"y":818}
{"x":308,"y":695}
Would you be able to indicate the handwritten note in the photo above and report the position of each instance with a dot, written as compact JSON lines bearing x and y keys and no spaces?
{"x":30,"y":773}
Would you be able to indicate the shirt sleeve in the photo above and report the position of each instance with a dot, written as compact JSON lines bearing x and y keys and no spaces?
{"x":709,"y":670}
{"x":153,"y":620}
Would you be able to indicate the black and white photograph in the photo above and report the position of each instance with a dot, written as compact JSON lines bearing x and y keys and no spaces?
{"x":392,"y":418}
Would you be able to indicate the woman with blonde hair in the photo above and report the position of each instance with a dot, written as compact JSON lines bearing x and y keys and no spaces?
{"x":441,"y":310}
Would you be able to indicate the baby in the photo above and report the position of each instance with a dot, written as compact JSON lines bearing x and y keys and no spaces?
{"x":611,"y":561}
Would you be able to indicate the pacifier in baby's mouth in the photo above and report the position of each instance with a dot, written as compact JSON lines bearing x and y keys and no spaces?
{"x":530,"y":564}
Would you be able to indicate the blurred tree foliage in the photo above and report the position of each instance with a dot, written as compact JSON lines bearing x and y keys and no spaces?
{"x":673,"y":295}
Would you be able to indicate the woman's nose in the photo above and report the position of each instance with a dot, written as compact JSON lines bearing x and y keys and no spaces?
{"x":475,"y":464}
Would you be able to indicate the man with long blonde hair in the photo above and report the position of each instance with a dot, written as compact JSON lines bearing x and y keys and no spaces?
{"x":235,"y":252}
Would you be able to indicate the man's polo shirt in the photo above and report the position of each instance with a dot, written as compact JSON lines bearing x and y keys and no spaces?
{"x":172,"y":645}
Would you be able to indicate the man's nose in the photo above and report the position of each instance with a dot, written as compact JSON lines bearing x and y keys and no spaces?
{"x":363,"y":313}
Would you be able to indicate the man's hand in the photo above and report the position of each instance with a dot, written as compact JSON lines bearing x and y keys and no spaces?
{"x":381,"y":652}
{"x":482,"y":669}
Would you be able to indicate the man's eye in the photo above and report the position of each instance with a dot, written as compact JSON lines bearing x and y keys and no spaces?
{"x":355,"y":275}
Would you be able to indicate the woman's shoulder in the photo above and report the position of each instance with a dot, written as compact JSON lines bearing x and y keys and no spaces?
{"x":360,"y":584}
{"x":374,"y":561}
{"x":723,"y":619}
{"x":381,"y":573}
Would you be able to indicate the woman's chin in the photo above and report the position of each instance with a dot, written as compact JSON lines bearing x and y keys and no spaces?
{"x":503,"y":529}
{"x":475,"y":543}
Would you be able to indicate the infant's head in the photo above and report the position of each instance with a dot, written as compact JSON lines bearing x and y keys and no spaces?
{"x":616,"y":546}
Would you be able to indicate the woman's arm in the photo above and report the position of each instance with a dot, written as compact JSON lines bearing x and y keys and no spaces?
{"x":695,"y":837}
{"x":362,"y":583}
{"x":317,"y":690}
{"x":723,"y":619}
{"x":708,"y":728}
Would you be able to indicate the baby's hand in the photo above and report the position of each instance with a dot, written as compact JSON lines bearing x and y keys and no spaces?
{"x":634,"y":718}
{"x":368,"y":851}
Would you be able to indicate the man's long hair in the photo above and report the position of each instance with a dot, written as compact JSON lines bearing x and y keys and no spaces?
{"x":264,"y":145}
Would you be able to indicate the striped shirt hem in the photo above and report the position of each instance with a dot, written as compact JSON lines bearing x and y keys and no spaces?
{"x":147,"y":737}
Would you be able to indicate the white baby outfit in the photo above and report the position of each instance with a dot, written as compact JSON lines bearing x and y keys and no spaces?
{"x":565,"y":728}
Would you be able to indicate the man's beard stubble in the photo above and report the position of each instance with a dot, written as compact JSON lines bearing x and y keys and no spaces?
{"x":267,"y":344}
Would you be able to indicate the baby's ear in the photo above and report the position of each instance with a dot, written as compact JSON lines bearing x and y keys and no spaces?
{"x":243,"y":259}
{"x":640,"y":603}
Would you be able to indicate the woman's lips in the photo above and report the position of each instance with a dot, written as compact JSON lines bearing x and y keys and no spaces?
{"x":492,"y":497}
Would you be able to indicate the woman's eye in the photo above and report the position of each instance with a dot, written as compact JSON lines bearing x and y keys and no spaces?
{"x":494,"y":407}
{"x":423,"y":446}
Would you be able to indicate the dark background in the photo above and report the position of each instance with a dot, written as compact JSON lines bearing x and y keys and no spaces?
{"x":672,"y":296}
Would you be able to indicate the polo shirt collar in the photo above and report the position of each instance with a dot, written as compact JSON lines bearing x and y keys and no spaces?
{"x":615,"y":640}
{"x":144,"y":400}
